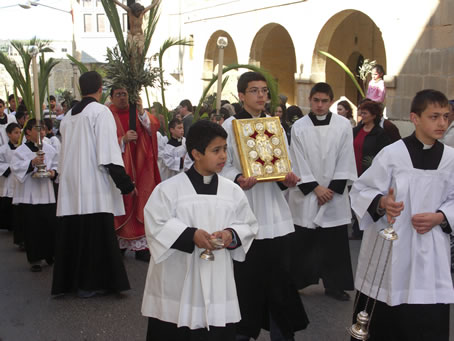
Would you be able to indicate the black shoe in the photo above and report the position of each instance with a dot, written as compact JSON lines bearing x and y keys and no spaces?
{"x":337,"y":294}
{"x":143,"y":255}
{"x":122,"y":251}
{"x":50,"y":261}
{"x":36,"y":268}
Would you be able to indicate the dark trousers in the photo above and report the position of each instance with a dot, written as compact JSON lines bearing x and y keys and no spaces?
{"x":165,"y":331}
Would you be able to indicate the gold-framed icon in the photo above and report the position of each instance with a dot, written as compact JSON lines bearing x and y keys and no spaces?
{"x":262,"y":148}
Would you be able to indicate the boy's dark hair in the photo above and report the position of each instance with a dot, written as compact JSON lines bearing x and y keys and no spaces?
{"x":294,"y":113}
{"x":323,"y":88}
{"x":374,"y":108}
{"x":201,"y":134}
{"x":52,"y":98}
{"x":425,"y":97}
{"x":247,"y":77}
{"x":21,"y":109}
{"x":2,"y":102}
{"x":115,"y":87}
{"x":186,"y":103}
{"x":30,"y":124}
{"x":237,"y":106}
{"x":10,"y":97}
{"x":174,"y":122}
{"x":48,"y":123}
{"x":19,"y":115}
{"x":10,"y":127}
{"x":379,"y":68}
{"x":90,"y":82}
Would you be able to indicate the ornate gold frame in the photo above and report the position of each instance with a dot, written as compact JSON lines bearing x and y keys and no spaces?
{"x":262,"y":148}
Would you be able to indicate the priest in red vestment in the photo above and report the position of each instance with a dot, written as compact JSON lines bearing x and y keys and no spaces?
{"x":140,"y":154}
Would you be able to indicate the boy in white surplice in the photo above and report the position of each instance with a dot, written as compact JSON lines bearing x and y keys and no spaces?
{"x":411,"y":182}
{"x":322,"y":156}
{"x":186,"y":297}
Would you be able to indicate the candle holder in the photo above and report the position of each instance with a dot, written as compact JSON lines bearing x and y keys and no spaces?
{"x":42,"y":171}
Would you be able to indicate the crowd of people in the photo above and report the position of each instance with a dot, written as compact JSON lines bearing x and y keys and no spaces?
{"x":180,"y":197}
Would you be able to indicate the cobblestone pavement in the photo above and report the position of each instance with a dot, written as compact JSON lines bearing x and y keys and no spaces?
{"x":29,"y":313}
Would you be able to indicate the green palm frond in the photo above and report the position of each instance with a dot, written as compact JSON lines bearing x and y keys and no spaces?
{"x":111,"y":12}
{"x":270,"y":81}
{"x":82,"y":67}
{"x":346,"y":69}
{"x":153,"y":18}
{"x":45,"y":67}
{"x":168,"y":43}
{"x":22,"y":79}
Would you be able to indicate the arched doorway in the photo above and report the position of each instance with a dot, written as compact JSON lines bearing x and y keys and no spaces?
{"x":210,"y":66}
{"x":273,"y":50}
{"x":349,"y":36}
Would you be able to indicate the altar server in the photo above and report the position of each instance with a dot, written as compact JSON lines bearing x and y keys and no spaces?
{"x":322,"y":156}
{"x":268,"y":298}
{"x":8,"y":181}
{"x":411,"y":183}
{"x":5,"y":119}
{"x":35,"y":197}
{"x":186,"y":297}
{"x":174,"y":155}
{"x":92,"y":179}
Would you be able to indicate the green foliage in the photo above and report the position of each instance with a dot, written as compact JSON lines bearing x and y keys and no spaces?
{"x":128,"y":74}
{"x":126,"y":66}
{"x":82,"y":67}
{"x":346,"y":69}
{"x":271,"y":83}
{"x":168,"y":43}
{"x":21,"y":74}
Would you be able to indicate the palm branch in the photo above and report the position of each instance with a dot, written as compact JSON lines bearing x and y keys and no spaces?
{"x":346,"y":69}
{"x":270,"y":81}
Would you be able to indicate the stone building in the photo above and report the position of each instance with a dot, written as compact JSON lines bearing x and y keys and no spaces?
{"x":414,"y":41}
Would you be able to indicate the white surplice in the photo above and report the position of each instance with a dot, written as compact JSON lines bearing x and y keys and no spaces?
{"x":162,"y":141}
{"x":267,"y":200}
{"x":30,"y":190}
{"x":85,"y":184}
{"x":322,"y":153}
{"x":54,"y":142}
{"x":418,"y":271}
{"x":182,"y":288}
{"x":171,"y":159}
{"x":7,"y":184}
{"x":3,"y":135}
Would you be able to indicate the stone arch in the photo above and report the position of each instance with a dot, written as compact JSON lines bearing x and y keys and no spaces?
{"x":211,"y":62}
{"x":273,"y":50}
{"x":347,"y":35}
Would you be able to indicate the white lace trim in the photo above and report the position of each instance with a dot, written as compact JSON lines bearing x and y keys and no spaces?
{"x":134,"y":244}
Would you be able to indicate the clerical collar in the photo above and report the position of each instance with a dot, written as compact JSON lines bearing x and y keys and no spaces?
{"x":12,"y":146}
{"x":33,"y":147}
{"x":203,"y":184}
{"x":244,"y":114}
{"x":175,"y":142}
{"x":79,"y":107}
{"x":421,"y":156}
{"x":4,"y":119}
{"x":49,"y":135}
{"x":322,"y":120}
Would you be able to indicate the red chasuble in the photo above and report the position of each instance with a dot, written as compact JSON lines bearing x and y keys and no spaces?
{"x":140,"y":159}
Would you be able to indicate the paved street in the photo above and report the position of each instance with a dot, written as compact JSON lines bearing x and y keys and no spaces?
{"x":28,"y":313}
